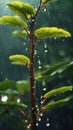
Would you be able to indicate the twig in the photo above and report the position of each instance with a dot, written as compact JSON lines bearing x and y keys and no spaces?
{"x":40,"y":109}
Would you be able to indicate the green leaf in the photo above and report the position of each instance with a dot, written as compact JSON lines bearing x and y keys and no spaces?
{"x":23,"y":87}
{"x":46,"y":1}
{"x":57,"y":91}
{"x":11,"y":91}
{"x":48,"y":73}
{"x":20,"y":34}
{"x":13,"y":105}
{"x":19,"y":59}
{"x":59,"y":103}
{"x":7,"y":84}
{"x":51,"y":32}
{"x":22,"y":9}
{"x":13,"y":21}
{"x":57,"y":71}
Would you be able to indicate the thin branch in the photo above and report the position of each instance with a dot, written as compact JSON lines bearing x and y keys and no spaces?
{"x":40,"y":109}
{"x":24,"y":114}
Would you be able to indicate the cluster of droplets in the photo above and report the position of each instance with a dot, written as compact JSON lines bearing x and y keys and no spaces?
{"x":47,"y":124}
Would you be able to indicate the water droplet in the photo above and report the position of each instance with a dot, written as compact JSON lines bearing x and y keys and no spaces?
{"x":35,"y":7}
{"x":26,"y":121}
{"x":39,"y":64}
{"x":71,"y":89}
{"x":18,"y":100}
{"x":45,"y":48}
{"x":47,"y":119}
{"x":44,"y":9}
{"x":41,"y":96}
{"x":32,"y":108}
{"x":4,"y":98}
{"x":35,"y":52}
{"x":37,"y":108}
{"x":39,"y":119}
{"x":26,"y":49}
{"x":32,"y":20}
{"x":28,"y":126}
{"x":48,"y":124}
{"x":41,"y":114}
{"x":33,"y":94}
{"x":63,"y":40}
{"x":7,"y":6}
{"x":24,"y":43}
{"x":37,"y":124}
{"x":6,"y":78}
{"x":44,"y":89}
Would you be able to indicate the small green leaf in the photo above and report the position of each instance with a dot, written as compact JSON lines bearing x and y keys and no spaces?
{"x":19,"y":59}
{"x":48,"y":73}
{"x":13,"y":21}
{"x":51,"y":32}
{"x":7,"y":84}
{"x":20,"y":34}
{"x":59,"y":103}
{"x":23,"y":87}
{"x":21,"y":9}
{"x":57,"y":91}
{"x":46,"y":1}
{"x":11,"y":91}
{"x":13,"y":105}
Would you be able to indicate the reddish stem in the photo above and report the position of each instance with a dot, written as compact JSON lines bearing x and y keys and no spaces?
{"x":32,"y":92}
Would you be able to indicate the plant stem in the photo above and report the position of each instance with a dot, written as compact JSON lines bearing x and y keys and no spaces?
{"x":31,"y":69}
{"x":32,"y":92}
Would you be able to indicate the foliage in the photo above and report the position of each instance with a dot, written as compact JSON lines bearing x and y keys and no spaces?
{"x":13,"y":21}
{"x":58,"y":70}
{"x":58,"y":91}
{"x":51,"y":32}
{"x":46,"y":1}
{"x":59,"y":103}
{"x":23,"y":87}
{"x":22,"y":9}
{"x":19,"y":59}
{"x":19,"y":33}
